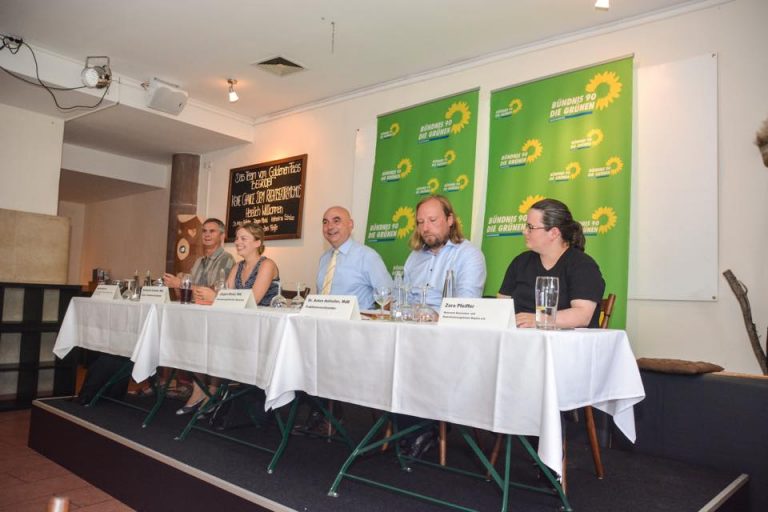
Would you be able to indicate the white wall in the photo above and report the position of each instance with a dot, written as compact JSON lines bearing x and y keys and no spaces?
{"x":30,"y":145}
{"x":340,"y":166}
{"x":110,"y":165}
{"x":75,"y":212}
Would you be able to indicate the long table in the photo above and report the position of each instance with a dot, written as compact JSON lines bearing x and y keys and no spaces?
{"x":106,"y":326}
{"x":503,"y":380}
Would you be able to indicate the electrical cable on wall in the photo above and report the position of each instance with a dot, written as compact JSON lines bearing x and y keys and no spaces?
{"x":14,"y":45}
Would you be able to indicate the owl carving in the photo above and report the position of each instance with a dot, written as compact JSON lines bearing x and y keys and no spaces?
{"x":189,"y":242}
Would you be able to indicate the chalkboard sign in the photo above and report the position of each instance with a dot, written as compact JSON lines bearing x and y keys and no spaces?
{"x":270,"y":194}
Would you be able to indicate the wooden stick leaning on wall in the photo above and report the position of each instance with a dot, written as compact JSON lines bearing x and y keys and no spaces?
{"x":746,"y":310}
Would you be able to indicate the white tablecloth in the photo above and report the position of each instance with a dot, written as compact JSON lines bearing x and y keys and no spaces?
{"x":103,"y":325}
{"x":235,"y":344}
{"x":507,"y":381}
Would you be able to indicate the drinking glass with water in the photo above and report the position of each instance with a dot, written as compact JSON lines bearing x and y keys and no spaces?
{"x":547,"y":294}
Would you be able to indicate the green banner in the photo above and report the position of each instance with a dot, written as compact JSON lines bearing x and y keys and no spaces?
{"x":567,"y":137}
{"x":422,"y":150}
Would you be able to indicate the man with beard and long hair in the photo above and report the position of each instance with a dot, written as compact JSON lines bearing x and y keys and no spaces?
{"x":438,"y":246}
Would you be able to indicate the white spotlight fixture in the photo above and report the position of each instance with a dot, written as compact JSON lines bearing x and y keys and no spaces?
{"x":95,"y":75}
{"x":233,"y":97}
{"x":603,"y":5}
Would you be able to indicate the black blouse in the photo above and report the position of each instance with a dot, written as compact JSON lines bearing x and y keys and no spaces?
{"x":579,"y":275}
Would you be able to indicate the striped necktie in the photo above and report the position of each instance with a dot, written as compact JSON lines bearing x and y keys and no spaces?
{"x":328,"y":279}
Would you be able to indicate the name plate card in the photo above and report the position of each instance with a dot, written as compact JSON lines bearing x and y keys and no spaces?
{"x":331,"y":306}
{"x":107,"y":292}
{"x":154,"y":295}
{"x":235,"y":299}
{"x":498,"y":313}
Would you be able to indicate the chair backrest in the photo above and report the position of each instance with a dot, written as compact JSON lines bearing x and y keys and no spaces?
{"x":606,"y":309}
{"x":289,"y":294}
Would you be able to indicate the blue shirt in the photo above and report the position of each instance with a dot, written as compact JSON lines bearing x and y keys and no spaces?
{"x":359,"y":269}
{"x":424,"y":266}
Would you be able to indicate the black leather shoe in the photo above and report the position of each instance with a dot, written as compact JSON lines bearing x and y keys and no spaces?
{"x":187,"y":409}
{"x":324,"y":429}
{"x":422,"y":444}
{"x":313,"y":421}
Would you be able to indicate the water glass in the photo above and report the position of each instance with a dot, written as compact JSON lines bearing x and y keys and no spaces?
{"x":130,"y":292}
{"x":547,"y":294}
{"x":185,"y":289}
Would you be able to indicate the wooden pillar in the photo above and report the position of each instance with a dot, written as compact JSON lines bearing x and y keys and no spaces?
{"x":185,"y":170}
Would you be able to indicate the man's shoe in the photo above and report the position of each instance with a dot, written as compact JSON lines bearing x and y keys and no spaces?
{"x":422,"y":444}
{"x":323,"y":429}
{"x":315,"y":418}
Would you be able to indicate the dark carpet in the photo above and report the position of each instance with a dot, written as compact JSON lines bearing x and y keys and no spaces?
{"x":633,"y":482}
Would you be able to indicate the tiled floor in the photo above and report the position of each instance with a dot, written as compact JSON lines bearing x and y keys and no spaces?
{"x":28,"y":480}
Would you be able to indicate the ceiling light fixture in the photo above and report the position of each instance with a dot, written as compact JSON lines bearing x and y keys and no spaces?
{"x":603,"y":5}
{"x":96,"y":76}
{"x":233,"y":97}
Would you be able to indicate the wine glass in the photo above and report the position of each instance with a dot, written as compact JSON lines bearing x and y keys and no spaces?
{"x":423,"y":312}
{"x":382,"y":295}
{"x":278,"y":301}
{"x":298,"y":300}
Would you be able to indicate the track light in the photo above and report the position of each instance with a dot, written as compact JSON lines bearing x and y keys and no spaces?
{"x":603,"y":5}
{"x":233,"y":97}
{"x":96,"y":76}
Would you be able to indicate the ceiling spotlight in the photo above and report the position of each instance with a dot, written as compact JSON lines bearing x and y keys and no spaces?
{"x":603,"y":5}
{"x":233,"y":97}
{"x":96,"y":74}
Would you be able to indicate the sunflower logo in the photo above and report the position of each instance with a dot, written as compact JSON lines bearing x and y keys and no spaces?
{"x":528,"y":202}
{"x":450,"y":157}
{"x":610,"y":219}
{"x":462,"y":108}
{"x":596,"y":135}
{"x":394,"y":129}
{"x":615,"y":164}
{"x":535,"y":145}
{"x":463,"y":181}
{"x":612,"y":81}
{"x":433,"y":185}
{"x":515,"y":106}
{"x":404,"y":213}
{"x":573,"y":169}
{"x":406,"y":166}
